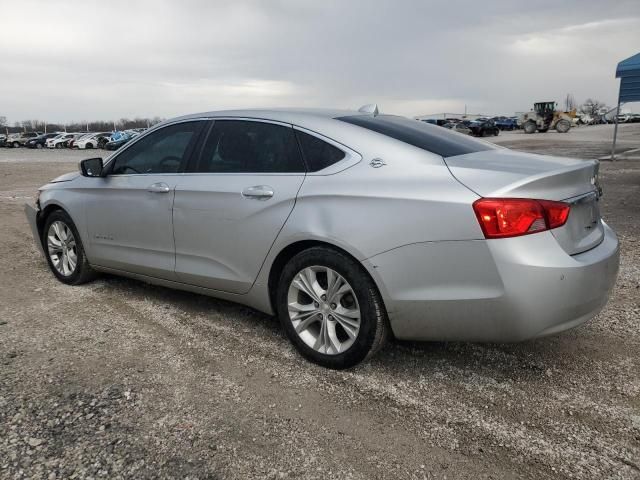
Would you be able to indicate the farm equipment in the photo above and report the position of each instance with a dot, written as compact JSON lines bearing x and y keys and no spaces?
{"x":545,"y":116}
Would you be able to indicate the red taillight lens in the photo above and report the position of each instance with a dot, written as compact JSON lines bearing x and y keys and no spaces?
{"x":557,"y":212}
{"x":511,"y":217}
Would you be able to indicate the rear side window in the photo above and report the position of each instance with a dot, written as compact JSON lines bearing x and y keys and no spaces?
{"x":317,"y":153}
{"x":241,"y":146}
{"x":431,"y":138}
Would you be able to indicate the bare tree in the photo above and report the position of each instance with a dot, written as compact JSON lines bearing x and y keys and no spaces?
{"x":569,"y":102}
{"x":593,"y":107}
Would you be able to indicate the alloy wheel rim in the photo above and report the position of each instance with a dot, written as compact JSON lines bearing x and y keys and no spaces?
{"x":62,"y":248}
{"x":324,"y":310}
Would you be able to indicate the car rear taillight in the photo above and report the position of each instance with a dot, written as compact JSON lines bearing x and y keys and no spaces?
{"x":512,"y":217}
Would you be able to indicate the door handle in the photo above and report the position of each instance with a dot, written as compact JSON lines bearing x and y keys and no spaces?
{"x":258,"y":192}
{"x":159,"y":187}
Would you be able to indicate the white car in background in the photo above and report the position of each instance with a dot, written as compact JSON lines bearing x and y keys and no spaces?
{"x":59,"y":141}
{"x":90,"y":140}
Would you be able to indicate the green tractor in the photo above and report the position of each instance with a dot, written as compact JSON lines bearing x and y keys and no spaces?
{"x":545,"y":116}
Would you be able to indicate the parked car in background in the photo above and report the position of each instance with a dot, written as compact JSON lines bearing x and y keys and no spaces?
{"x":71,"y":141}
{"x":118,"y":139}
{"x":463,"y":126}
{"x":484,"y":128}
{"x":3,"y":139}
{"x":59,"y":141}
{"x":102,"y":141}
{"x":505,"y":123}
{"x":90,"y":141}
{"x":16,"y":140}
{"x":435,"y":121}
{"x":348,"y":226}
{"x":40,"y":140}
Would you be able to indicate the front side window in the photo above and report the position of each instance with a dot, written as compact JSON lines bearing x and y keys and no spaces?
{"x":163,"y":151}
{"x":317,"y":153}
{"x":420,"y":134}
{"x":241,"y":146}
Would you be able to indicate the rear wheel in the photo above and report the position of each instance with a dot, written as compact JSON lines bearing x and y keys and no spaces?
{"x":15,"y":145}
{"x":563,"y":126}
{"x":64,"y":250}
{"x":330,"y":309}
{"x":38,"y":146}
{"x":530,"y":127}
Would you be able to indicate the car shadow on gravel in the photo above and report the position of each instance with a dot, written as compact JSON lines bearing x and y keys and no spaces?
{"x":533,"y":358}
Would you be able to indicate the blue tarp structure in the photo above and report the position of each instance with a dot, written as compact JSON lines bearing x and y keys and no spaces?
{"x":628,"y":72}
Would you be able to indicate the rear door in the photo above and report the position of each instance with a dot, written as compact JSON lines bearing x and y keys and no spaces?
{"x":233,"y":202}
{"x":129,"y":214}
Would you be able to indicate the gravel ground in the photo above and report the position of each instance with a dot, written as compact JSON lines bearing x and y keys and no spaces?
{"x":120,"y":379}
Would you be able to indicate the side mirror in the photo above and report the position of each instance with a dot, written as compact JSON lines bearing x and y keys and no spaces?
{"x":91,"y":167}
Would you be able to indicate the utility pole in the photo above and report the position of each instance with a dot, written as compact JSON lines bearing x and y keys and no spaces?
{"x":615,"y":131}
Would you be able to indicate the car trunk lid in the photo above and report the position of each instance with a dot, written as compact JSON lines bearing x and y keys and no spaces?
{"x":508,"y":174}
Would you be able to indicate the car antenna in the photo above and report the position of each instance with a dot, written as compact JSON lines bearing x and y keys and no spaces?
{"x":370,"y":108}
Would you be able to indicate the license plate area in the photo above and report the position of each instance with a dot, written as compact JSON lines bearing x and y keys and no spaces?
{"x":583,"y":229}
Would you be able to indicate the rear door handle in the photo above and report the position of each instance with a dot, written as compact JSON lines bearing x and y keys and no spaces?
{"x":258,"y":192}
{"x":159,"y":187}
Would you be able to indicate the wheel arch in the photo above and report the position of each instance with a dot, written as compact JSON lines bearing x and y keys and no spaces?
{"x":45,"y":212}
{"x":292,"y":249}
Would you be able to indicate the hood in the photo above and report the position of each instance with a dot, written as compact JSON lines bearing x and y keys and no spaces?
{"x":506,"y":173}
{"x":66,"y":177}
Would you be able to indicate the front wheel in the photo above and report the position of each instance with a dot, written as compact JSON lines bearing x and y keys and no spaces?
{"x":330,"y":308}
{"x":563,"y":126}
{"x":15,"y":145}
{"x":64,"y":250}
{"x":529,"y":127}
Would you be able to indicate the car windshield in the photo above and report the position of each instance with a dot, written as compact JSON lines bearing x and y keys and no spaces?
{"x":420,"y":134}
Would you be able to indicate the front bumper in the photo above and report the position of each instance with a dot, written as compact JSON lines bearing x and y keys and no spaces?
{"x":32,"y":217}
{"x":493,"y":290}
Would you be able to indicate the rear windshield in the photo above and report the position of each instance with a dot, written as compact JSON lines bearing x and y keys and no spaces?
{"x":438,"y":140}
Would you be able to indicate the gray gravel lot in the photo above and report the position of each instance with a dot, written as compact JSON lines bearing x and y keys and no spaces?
{"x":120,"y":379}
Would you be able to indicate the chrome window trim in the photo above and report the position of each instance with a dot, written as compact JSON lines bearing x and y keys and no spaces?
{"x":351,"y":156}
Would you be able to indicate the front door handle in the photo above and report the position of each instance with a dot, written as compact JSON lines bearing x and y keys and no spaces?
{"x":159,"y":187}
{"x":258,"y":192}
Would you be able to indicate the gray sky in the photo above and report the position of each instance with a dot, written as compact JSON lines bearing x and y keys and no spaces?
{"x":86,"y":60}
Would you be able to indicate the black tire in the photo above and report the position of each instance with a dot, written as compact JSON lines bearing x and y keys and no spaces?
{"x":529,"y":127}
{"x":563,"y":126}
{"x":496,"y":132}
{"x":88,"y":146}
{"x":374,"y":323}
{"x":83,"y":272}
{"x":15,"y":145}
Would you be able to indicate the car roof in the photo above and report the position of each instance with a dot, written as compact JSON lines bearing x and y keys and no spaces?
{"x":286,"y":115}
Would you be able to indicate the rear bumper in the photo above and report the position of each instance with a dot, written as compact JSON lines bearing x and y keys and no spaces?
{"x":497,"y":290}
{"x":32,"y":217}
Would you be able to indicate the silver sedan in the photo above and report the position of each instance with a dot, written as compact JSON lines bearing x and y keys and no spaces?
{"x":350,"y":226}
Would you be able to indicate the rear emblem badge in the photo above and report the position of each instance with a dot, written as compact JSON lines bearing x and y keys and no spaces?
{"x":377,"y":163}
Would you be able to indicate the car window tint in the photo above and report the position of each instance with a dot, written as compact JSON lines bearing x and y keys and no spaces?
{"x":241,"y":146}
{"x":317,"y":153}
{"x":434,"y":139}
{"x":162,"y":151}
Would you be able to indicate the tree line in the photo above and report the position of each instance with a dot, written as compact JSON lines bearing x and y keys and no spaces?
{"x":83,"y":126}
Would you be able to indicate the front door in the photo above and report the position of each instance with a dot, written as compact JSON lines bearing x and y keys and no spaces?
{"x":231,"y":205}
{"x":129,"y":212}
